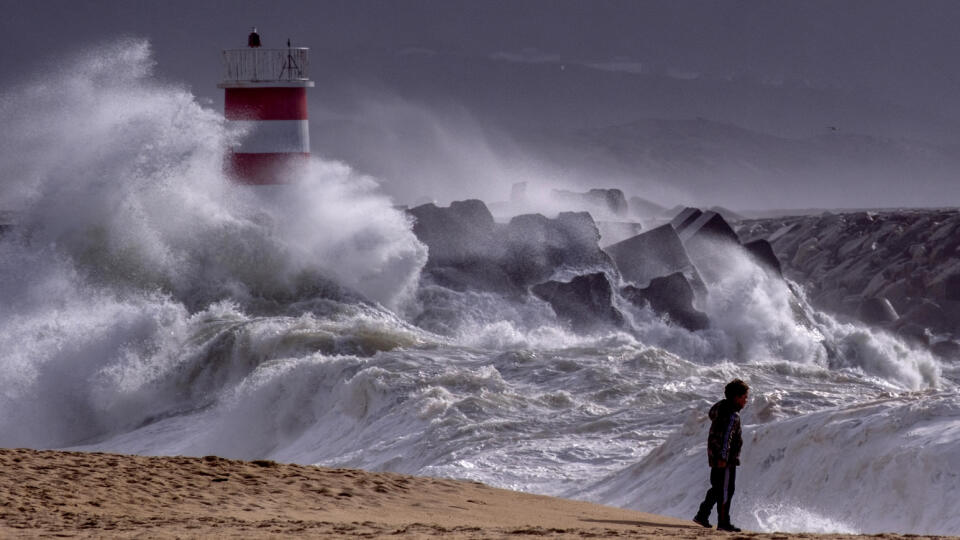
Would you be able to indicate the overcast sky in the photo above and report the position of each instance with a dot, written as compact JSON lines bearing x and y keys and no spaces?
{"x":904,"y":53}
{"x":902,"y":50}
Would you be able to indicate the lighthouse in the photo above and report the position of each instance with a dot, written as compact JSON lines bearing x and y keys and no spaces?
{"x":265,"y":95}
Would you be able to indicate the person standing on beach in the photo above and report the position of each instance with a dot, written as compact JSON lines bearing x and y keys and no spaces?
{"x":723,"y":453}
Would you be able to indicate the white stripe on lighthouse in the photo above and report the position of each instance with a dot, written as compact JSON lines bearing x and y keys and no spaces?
{"x":273,"y":136}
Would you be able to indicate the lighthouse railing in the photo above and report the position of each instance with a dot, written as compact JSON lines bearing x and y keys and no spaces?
{"x":263,"y":65}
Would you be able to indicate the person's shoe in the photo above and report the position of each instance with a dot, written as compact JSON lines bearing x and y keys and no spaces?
{"x":729,"y":527}
{"x":702,"y":520}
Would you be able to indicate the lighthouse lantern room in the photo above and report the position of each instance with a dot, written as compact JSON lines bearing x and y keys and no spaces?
{"x":265,"y":94}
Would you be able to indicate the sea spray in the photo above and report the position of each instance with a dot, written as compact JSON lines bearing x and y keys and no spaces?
{"x":125,"y":177}
{"x":128,"y":234}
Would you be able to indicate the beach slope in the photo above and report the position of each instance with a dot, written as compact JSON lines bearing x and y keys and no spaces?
{"x":48,"y":493}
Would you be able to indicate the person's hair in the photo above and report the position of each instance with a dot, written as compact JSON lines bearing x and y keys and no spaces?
{"x":735,"y":389}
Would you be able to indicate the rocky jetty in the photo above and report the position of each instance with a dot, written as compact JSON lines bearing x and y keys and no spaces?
{"x":899,"y":270}
{"x":559,"y":260}
{"x":895,"y":269}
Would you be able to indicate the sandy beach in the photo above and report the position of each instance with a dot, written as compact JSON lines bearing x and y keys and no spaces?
{"x":70,"y":494}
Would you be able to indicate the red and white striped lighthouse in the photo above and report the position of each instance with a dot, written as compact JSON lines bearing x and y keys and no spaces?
{"x":265,"y":93}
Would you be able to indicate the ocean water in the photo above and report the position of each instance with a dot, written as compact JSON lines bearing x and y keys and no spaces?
{"x":149,"y":306}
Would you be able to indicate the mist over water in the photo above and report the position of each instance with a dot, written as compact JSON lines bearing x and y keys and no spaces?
{"x":151,"y":306}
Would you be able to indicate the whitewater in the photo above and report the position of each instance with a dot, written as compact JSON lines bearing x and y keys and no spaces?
{"x":150,"y":306}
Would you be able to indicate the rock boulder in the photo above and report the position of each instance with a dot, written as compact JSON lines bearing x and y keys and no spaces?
{"x":672,"y":296}
{"x":655,"y":253}
{"x":763,"y":253}
{"x":877,"y":310}
{"x":585,"y":303}
{"x":536,"y":246}
{"x":462,"y":232}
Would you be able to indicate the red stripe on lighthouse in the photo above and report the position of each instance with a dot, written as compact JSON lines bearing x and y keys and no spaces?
{"x":262,"y":169}
{"x":270,"y":103}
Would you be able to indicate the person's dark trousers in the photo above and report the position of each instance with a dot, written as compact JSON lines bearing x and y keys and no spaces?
{"x":722,"y":484}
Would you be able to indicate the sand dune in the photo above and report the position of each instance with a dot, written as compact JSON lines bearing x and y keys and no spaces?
{"x":46,"y":493}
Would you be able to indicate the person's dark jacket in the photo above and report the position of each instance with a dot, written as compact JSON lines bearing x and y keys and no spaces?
{"x":725,"y":439}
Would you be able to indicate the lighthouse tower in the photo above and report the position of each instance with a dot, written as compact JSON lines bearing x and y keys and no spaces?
{"x":265,"y":94}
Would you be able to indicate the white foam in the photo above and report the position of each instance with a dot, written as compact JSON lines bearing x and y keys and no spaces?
{"x":788,"y":517}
